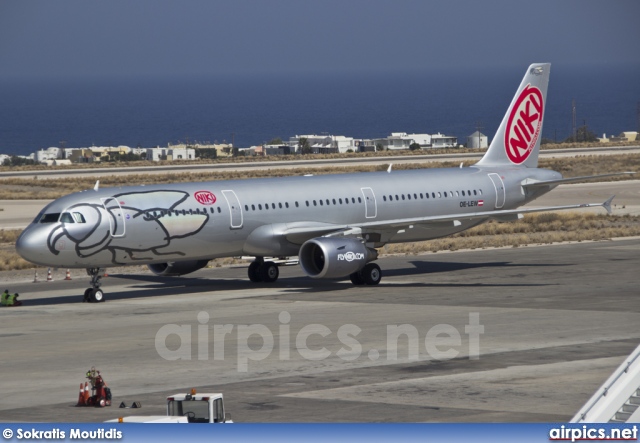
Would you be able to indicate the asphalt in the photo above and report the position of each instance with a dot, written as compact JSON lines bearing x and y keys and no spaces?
{"x":553,"y":323}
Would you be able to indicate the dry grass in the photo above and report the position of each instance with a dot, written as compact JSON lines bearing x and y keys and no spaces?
{"x":544,"y":228}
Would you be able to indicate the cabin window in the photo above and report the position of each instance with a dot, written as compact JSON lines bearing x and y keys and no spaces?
{"x":50,"y":218}
{"x":353,"y":200}
{"x":359,"y":200}
{"x":463,"y":193}
{"x":260,"y":207}
{"x":246,"y":207}
{"x":427,"y":195}
{"x":321,"y":203}
{"x":334,"y":201}
{"x":402,"y":196}
{"x":439,"y":195}
{"x":66,"y":218}
{"x":474,"y":192}
{"x":346,"y":201}
{"x":79,"y":218}
{"x":445,"y":194}
{"x":433,"y":195}
{"x":457,"y":194}
{"x":384,"y":198}
{"x":266,"y":206}
{"x":280,"y":205}
{"x":397,"y":198}
{"x":340,"y":200}
{"x":480,"y":191}
{"x":253,"y":207}
{"x":273,"y":205}
{"x":219,"y":210}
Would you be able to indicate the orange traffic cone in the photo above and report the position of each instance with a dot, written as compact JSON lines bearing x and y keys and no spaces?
{"x":87,"y":393}
{"x":68,"y":276}
{"x":49,"y":277}
{"x":35,"y":277}
{"x":81,"y":401}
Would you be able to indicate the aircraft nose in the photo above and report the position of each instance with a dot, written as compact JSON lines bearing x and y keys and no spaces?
{"x":31,"y":247}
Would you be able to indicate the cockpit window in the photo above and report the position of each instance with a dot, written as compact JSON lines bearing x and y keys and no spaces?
{"x":79,"y":218}
{"x":66,"y":218}
{"x":49,"y":218}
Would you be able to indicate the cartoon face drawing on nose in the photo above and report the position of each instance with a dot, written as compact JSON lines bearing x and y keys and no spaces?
{"x":131,"y":222}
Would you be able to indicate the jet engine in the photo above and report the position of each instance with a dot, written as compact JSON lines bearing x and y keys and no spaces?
{"x":329,"y":257}
{"x":177,"y":267}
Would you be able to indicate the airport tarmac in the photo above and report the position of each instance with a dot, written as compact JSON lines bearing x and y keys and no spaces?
{"x":553,"y":323}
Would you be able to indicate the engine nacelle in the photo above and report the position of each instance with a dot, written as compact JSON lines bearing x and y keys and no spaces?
{"x":329,"y":257}
{"x":177,"y":267}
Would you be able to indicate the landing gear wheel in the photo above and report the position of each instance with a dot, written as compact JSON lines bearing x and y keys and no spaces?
{"x":371,"y":274}
{"x":254,"y":272}
{"x":96,"y":295}
{"x":268,"y":272}
{"x":356,"y":279}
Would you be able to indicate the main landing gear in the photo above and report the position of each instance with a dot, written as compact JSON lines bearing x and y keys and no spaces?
{"x":263,"y":271}
{"x":369,"y":275}
{"x":94,"y":294}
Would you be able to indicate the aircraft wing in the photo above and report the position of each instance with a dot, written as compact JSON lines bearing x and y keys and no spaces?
{"x":536,"y":184}
{"x":301,"y":233}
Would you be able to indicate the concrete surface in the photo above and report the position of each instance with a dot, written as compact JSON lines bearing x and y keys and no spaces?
{"x":557,"y":321}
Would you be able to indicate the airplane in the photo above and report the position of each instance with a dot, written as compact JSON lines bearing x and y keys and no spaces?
{"x":334,"y":224}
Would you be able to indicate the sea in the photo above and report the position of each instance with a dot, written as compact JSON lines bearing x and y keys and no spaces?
{"x":253,"y":108}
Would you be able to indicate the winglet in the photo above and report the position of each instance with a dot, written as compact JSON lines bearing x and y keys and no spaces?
{"x":97,"y":185}
{"x":607,"y":205}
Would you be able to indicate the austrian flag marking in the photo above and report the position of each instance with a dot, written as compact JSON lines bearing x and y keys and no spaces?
{"x":524,"y":124}
{"x":205,"y":197}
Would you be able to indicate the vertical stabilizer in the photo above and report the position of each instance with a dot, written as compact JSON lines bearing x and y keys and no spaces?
{"x":517,"y":141}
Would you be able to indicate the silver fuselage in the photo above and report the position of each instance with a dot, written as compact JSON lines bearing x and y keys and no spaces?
{"x":205,"y":220}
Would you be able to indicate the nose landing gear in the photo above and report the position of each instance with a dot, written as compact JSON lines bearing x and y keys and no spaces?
{"x":94,"y":294}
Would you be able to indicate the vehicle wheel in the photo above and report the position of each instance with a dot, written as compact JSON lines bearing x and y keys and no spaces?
{"x":254,"y":272}
{"x":356,"y":279}
{"x":268,"y":272}
{"x":87,"y":295}
{"x":371,"y":274}
{"x":96,"y":296}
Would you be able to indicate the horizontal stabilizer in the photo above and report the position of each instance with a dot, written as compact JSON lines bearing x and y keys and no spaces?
{"x":536,"y":184}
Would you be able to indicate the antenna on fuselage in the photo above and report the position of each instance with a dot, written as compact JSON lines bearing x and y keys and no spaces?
{"x":95,"y":188}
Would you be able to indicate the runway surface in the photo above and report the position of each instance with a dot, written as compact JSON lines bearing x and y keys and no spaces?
{"x":553,"y":323}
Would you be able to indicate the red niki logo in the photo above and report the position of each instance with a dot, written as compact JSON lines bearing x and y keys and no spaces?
{"x":524,"y":124}
{"x":205,"y":197}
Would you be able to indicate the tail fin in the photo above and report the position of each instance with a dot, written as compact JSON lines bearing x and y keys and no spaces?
{"x":517,"y":141}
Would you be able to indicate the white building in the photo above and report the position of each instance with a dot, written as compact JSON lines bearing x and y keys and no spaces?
{"x":324,"y":144}
{"x":48,"y":154}
{"x":402,"y":140}
{"x":477,"y":140}
{"x":443,"y":141}
{"x":157,"y":154}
